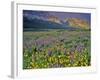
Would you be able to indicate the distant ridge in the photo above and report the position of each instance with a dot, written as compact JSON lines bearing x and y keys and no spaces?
{"x":53,"y":22}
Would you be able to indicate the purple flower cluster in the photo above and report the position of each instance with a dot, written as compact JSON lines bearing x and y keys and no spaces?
{"x":44,"y":42}
{"x":49,"y":52}
{"x":80,"y":48}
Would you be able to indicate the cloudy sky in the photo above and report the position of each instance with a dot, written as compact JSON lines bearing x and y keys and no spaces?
{"x":60,"y":15}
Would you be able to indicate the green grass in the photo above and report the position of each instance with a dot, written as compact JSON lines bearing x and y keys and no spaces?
{"x":56,"y":48}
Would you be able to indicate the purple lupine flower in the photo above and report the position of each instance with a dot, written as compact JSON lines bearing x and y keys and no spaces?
{"x":80,"y":48}
{"x":49,"y":52}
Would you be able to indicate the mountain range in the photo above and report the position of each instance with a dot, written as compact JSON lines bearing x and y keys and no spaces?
{"x":44,"y":21}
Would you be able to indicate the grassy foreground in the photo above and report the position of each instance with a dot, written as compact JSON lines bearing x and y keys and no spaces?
{"x":56,"y":48}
